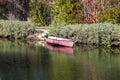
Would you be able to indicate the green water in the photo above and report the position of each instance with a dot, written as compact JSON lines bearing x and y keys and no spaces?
{"x":22,"y":61}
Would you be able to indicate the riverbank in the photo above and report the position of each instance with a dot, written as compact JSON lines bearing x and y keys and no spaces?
{"x":16,"y":29}
{"x":39,"y":34}
{"x":101,"y":34}
{"x":20,"y":30}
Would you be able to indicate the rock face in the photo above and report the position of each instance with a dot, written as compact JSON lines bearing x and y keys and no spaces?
{"x":39,"y":35}
{"x":32,"y":37}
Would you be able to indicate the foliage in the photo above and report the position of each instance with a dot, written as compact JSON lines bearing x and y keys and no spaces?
{"x":99,"y":34}
{"x":111,"y":15}
{"x":63,"y":11}
{"x":14,"y":9}
{"x":40,"y":12}
{"x":56,"y":27}
{"x":15,"y":29}
{"x":90,"y":11}
{"x":78,"y":10}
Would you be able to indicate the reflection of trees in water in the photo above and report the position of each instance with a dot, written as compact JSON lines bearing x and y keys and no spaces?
{"x":101,"y":50}
{"x":115,"y":51}
{"x":99,"y":63}
{"x":13,"y":67}
{"x":85,"y":47}
{"x":89,"y":72}
{"x":23,"y":62}
{"x":46,"y":65}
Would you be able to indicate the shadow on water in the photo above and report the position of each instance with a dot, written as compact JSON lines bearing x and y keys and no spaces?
{"x":21,"y":61}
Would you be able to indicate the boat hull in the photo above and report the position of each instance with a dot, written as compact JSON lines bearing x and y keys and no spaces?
{"x":60,"y":41}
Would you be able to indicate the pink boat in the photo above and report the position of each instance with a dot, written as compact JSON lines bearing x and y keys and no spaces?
{"x":60,"y":41}
{"x":66,"y":50}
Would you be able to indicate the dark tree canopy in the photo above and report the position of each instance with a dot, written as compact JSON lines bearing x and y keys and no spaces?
{"x":14,"y":9}
{"x":44,"y":12}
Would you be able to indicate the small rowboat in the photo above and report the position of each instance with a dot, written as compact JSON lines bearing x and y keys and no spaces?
{"x":59,"y":41}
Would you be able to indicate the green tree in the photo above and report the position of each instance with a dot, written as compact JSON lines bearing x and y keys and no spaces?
{"x":40,"y":11}
{"x":14,"y":9}
{"x":111,"y":15}
{"x":63,"y":11}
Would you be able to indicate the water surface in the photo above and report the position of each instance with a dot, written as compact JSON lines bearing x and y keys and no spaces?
{"x":22,"y":61}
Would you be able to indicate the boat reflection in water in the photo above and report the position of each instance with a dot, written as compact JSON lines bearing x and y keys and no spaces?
{"x":61,"y":49}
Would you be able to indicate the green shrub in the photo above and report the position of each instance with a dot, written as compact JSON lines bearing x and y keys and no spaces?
{"x":63,"y":10}
{"x":15,"y":29}
{"x":99,"y":34}
{"x":40,"y":12}
{"x":56,"y":27}
{"x":111,"y":15}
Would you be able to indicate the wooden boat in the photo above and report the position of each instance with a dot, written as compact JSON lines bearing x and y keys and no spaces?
{"x":59,"y":41}
{"x":61,"y":49}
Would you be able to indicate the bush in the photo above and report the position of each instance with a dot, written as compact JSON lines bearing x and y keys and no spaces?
{"x":40,"y":12}
{"x":55,"y":28}
{"x":111,"y":15}
{"x":98,"y":34}
{"x":15,"y":29}
{"x":63,"y":11}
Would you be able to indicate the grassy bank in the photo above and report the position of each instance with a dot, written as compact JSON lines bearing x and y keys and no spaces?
{"x":104,"y":34}
{"x":15,"y":29}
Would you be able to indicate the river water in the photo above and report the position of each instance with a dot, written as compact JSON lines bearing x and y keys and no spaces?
{"x":22,"y":61}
